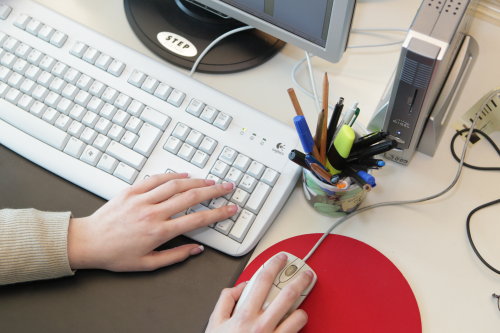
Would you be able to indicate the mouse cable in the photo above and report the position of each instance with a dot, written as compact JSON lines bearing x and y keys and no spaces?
{"x":403,"y":202}
{"x":475,"y":167}
{"x":213,"y":43}
{"x":469,"y":236}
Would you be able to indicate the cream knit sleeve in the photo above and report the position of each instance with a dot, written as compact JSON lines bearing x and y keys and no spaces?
{"x":33,"y":245}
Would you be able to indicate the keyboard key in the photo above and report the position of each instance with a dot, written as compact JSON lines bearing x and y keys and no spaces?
{"x":220,"y":169}
{"x":116,"y":132}
{"x":176,"y":97}
{"x":217,"y":203}
{"x":77,"y":112}
{"x":88,"y":135}
{"x":155,"y":117}
{"x":103,"y":125}
{"x":10,"y":44}
{"x":195,"y":107}
{"x":129,"y":139}
{"x":37,"y":108}
{"x":149,"y":85}
{"x":136,"y":78}
{"x":127,"y":155}
{"x":107,"y":163}
{"x":173,"y":144}
{"x":78,"y":49}
{"x":90,"y":55}
{"x":135,"y":108}
{"x":59,"y":69}
{"x":46,"y":63}
{"x":256,"y":169}
{"x":248,"y":183}
{"x":181,"y":131}
{"x":33,"y":26}
{"x":82,"y":98}
{"x":108,"y":111}
{"x":91,"y":155}
{"x":258,"y":197}
{"x":122,"y":101}
{"x":162,"y":91}
{"x":13,"y":95}
{"x":208,"y":145}
{"x":101,"y":142}
{"x":63,"y":122}
{"x":209,"y":114}
{"x":148,"y":137}
{"x":228,"y":155}
{"x":186,"y":152}
{"x":84,"y":82}
{"x":242,"y":162}
{"x":72,"y":76}
{"x":194,"y":138}
{"x":240,"y":197}
{"x":134,"y":124}
{"x":116,"y":68}
{"x":5,"y":11}
{"x":125,"y":173}
{"x":109,"y":95}
{"x":97,"y":88}
{"x":36,"y":127}
{"x":270,"y":177}
{"x":70,"y":91}
{"x":103,"y":61}
{"x":58,"y":39}
{"x":75,"y":128}
{"x":22,"y":21}
{"x":222,"y":121}
{"x":57,"y":85}
{"x":74,"y":147}
{"x":242,"y":225}
{"x":22,"y":51}
{"x":25,"y":102}
{"x":34,"y":57}
{"x":200,"y":159}
{"x":216,"y":179}
{"x":224,"y":226}
{"x":121,"y":117}
{"x":46,"y":33}
{"x":233,"y":175}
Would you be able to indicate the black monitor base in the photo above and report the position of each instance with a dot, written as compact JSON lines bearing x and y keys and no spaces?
{"x":238,"y":52}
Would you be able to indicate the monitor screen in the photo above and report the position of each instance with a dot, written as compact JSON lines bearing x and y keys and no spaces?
{"x":318,"y":26}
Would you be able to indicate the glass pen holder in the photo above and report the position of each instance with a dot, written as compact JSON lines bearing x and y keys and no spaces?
{"x":331,"y":200}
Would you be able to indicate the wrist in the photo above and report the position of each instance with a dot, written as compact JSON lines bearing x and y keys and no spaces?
{"x":78,"y":256}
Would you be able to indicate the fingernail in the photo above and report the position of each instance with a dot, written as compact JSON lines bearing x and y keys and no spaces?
{"x":232,"y":209}
{"x":228,"y":186}
{"x":196,"y":250}
{"x":184,"y":174}
{"x":282,"y":257}
{"x":209,"y":181}
{"x":309,"y":273}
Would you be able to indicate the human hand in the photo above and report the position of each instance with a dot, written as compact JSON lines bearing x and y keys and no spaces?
{"x":123,"y":233}
{"x":249,"y":316}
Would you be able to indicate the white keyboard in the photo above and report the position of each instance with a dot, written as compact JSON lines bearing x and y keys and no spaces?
{"x":104,"y":116}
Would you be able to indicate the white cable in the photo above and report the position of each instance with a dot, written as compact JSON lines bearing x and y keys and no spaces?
{"x":404,"y":202}
{"x":375,"y":45}
{"x":313,"y":84}
{"x":213,"y":43}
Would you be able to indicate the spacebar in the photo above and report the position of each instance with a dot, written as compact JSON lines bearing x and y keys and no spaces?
{"x":34,"y":126}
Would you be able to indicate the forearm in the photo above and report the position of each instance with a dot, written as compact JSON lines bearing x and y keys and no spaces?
{"x":33,"y":245}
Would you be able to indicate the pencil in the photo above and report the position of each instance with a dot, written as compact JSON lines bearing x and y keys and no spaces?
{"x":295,"y":102}
{"x":324,"y":127}
{"x":318,"y":137}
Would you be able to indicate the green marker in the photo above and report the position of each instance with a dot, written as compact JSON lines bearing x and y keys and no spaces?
{"x":340,"y":149}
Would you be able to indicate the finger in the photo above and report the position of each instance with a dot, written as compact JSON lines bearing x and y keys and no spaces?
{"x":197,"y":220}
{"x":173,"y":187}
{"x":286,"y":298}
{"x":294,"y":323}
{"x":157,"y":259}
{"x":154,"y":181}
{"x":262,"y":285}
{"x":194,"y":196}
{"x":225,"y":305}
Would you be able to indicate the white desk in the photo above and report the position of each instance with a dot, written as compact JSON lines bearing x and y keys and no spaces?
{"x":427,"y":242}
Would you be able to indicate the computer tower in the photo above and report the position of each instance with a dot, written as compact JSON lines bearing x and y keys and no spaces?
{"x":435,"y":59}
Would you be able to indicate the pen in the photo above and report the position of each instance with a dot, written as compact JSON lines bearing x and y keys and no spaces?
{"x":376,"y":149}
{"x":295,"y":102}
{"x":356,"y":114}
{"x":371,"y":162}
{"x":324,"y":127}
{"x":357,"y":178}
{"x":334,"y":120}
{"x":340,"y":149}
{"x":368,"y":140}
{"x":305,"y":136}
{"x":349,"y":114}
{"x":367,"y":177}
{"x":298,"y":158}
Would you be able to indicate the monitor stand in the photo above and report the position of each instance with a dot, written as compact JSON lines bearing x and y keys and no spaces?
{"x":178,"y":31}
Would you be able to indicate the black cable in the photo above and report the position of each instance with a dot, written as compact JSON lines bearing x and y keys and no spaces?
{"x":467,"y":225}
{"x":475,"y":167}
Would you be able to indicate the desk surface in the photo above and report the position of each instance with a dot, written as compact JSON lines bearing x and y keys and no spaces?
{"x":427,"y":242}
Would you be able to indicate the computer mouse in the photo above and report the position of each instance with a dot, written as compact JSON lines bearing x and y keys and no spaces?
{"x":292,"y":269}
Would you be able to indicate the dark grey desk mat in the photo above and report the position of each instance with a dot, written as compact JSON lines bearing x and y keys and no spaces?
{"x":175,"y":299}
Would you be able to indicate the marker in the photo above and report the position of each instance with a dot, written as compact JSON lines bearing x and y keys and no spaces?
{"x":305,"y":136}
{"x":298,"y":158}
{"x":379,"y":148}
{"x":340,"y":149}
{"x":334,"y":120}
{"x":368,"y":140}
{"x":367,"y":177}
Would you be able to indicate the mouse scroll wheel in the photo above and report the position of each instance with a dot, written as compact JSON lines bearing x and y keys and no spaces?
{"x":291,"y":270}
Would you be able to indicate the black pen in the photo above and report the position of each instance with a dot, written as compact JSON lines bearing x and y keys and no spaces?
{"x":334,"y":120}
{"x":376,"y":149}
{"x":348,"y":171}
{"x":368,"y":140}
{"x":299,"y":158}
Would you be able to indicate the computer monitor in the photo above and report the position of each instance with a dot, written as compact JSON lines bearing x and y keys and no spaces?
{"x":179,"y":30}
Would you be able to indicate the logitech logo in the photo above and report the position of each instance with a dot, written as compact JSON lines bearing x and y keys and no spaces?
{"x":279,"y":148}
{"x":177,"y":44}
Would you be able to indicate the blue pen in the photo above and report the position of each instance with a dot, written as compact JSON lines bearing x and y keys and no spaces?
{"x":367,"y":178}
{"x":305,"y":136}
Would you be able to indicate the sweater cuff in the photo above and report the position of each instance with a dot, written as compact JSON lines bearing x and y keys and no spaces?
{"x":33,"y":245}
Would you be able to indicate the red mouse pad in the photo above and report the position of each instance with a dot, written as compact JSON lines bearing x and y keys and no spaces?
{"x":358,"y":288}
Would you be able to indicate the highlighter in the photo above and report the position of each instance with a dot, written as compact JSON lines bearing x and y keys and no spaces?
{"x":340,"y":149}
